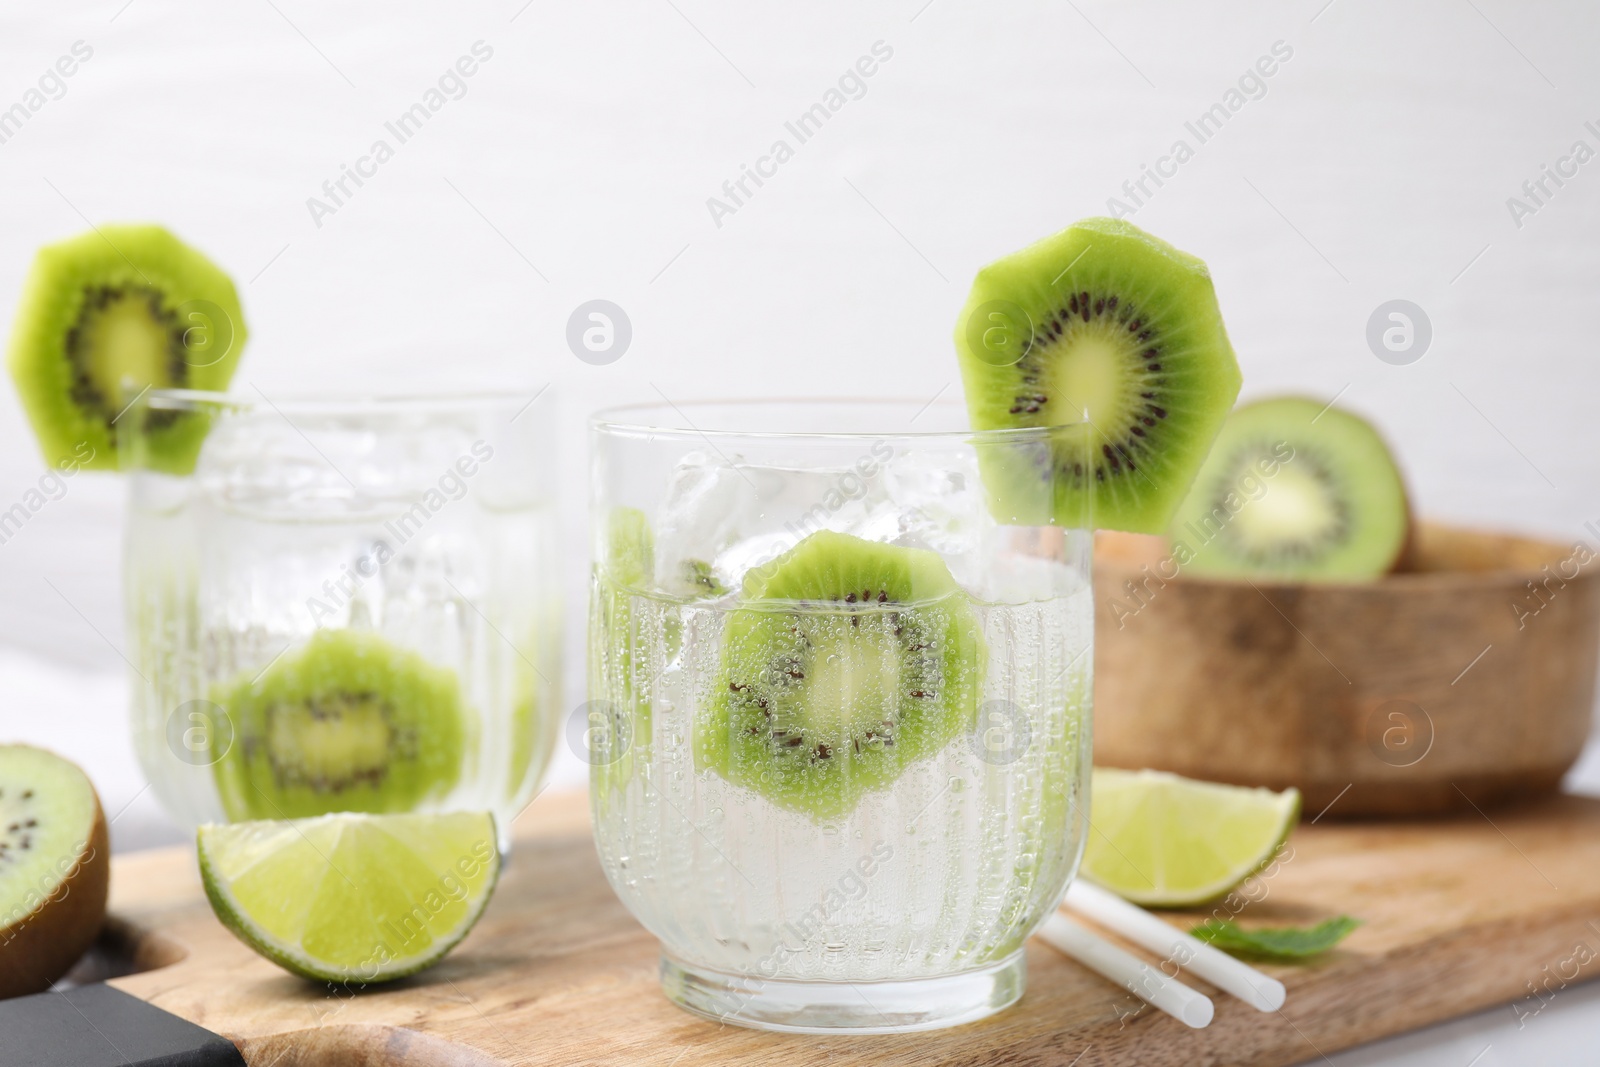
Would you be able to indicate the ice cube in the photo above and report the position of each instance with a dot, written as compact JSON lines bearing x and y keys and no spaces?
{"x":935,"y":500}
{"x":737,"y":560}
{"x":726,"y":515}
{"x":698,"y":519}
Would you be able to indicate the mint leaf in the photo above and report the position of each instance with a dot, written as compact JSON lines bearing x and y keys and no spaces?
{"x":1281,"y":943}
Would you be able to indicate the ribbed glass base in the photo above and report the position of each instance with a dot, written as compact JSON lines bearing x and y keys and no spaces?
{"x":845,"y":1007}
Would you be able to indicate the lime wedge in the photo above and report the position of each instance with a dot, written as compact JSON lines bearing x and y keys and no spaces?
{"x":1170,"y":842}
{"x":348,"y":897}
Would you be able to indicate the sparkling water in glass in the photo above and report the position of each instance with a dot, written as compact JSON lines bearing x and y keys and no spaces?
{"x":795,"y":885}
{"x":419,"y":532}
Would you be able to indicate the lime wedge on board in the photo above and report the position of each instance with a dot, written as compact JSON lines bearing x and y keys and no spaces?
{"x":351,"y":897}
{"x":1169,"y":842}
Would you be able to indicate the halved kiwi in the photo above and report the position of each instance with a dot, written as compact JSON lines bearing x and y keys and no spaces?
{"x":106,"y":316}
{"x":1115,"y":337}
{"x":55,"y":867}
{"x":846,"y":662}
{"x":1295,"y":489}
{"x":349,"y":722}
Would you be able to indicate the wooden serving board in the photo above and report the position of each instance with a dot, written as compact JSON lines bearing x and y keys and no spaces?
{"x":1460,"y":914}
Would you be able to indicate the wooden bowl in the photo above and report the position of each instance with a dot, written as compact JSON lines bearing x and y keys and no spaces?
{"x":1467,"y":681}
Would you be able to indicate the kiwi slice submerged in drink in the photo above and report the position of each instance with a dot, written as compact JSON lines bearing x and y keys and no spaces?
{"x":627,"y":564}
{"x":349,"y":722}
{"x":105,"y":317}
{"x":1295,"y":489}
{"x":1113,"y":337}
{"x":845,"y":662}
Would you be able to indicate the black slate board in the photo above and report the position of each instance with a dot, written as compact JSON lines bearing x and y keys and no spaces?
{"x":98,"y":1026}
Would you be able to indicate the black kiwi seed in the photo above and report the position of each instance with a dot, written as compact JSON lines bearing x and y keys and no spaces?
{"x":19,"y":833}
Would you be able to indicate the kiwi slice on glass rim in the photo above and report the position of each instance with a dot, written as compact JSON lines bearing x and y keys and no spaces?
{"x":1114,"y":337}
{"x":349,"y":722}
{"x":845,"y":662}
{"x":108,"y":315}
{"x":55,"y":867}
{"x":1295,"y":489}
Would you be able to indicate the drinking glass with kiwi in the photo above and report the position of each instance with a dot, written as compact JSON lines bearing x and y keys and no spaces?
{"x":348,"y":605}
{"x":843,"y":647}
{"x":332,"y":604}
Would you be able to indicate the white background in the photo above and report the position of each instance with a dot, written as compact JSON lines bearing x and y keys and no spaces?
{"x":1376,"y":166}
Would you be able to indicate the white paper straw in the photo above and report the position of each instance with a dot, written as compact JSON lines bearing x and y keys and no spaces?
{"x":1128,"y":971}
{"x":1205,"y":961}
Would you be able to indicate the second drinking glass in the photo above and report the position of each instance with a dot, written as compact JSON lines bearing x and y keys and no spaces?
{"x":340,"y":605}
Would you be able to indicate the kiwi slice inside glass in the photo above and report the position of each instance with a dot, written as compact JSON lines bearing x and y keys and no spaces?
{"x":1294,"y":489}
{"x":629,"y":552}
{"x":103,"y":318}
{"x":627,"y":563}
{"x":55,"y":866}
{"x":846,"y":662}
{"x":349,"y":722}
{"x":1115,"y":337}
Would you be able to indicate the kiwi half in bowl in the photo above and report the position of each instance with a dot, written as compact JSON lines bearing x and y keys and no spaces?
{"x":349,"y":722}
{"x":108,"y":315}
{"x":846,"y":662}
{"x":1114,"y":337}
{"x":1295,"y":489}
